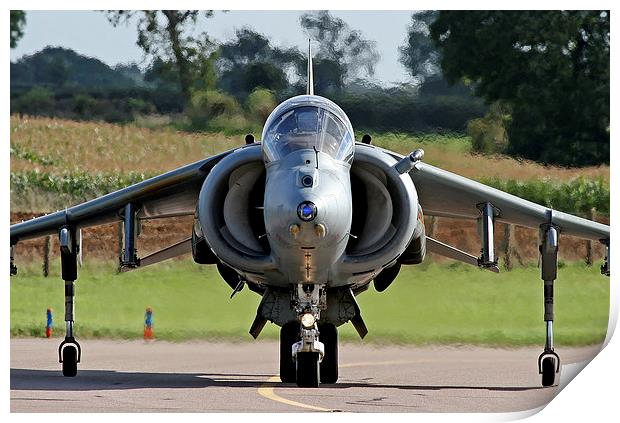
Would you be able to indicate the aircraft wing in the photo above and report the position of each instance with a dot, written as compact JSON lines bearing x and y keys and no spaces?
{"x":442,"y":193}
{"x":174,"y":193}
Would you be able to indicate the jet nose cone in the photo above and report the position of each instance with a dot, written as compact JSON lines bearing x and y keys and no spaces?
{"x":306,"y":211}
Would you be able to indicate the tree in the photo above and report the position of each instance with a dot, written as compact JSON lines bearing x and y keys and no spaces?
{"x":343,"y":54}
{"x":166,"y":35}
{"x":265,"y":75}
{"x":57,"y":71}
{"x":419,"y":55}
{"x":550,"y":68}
{"x":249,"y":61}
{"x":60,"y":66}
{"x":18,"y":21}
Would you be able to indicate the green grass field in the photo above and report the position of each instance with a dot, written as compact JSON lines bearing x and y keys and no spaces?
{"x":432,"y":303}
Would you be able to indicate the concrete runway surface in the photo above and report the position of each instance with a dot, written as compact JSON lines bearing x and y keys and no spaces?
{"x":157,"y":376}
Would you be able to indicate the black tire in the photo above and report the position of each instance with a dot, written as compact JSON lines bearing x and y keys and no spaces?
{"x":548,"y":371}
{"x":69,"y":361}
{"x":308,"y":370}
{"x":289,"y":334}
{"x":329,"y":366}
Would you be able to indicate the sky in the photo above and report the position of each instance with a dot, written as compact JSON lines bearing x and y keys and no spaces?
{"x":89,"y":33}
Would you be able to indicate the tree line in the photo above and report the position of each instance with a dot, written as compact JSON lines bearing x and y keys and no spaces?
{"x":533,"y":84}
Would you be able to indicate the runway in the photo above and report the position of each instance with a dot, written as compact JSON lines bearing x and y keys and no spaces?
{"x":156,"y":376}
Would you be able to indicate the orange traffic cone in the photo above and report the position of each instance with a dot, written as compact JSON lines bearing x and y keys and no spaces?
{"x":148,"y":323}
{"x":50,"y":324}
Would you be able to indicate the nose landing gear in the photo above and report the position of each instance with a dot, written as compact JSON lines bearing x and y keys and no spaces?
{"x":293,"y":370}
{"x":303,"y":358}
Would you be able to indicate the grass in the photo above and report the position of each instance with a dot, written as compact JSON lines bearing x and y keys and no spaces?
{"x":432,"y":303}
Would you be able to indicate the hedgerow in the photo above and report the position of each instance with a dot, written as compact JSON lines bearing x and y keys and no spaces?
{"x":577,"y":196}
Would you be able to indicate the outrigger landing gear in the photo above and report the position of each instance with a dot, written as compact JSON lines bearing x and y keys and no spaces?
{"x":549,"y":361}
{"x":69,"y":351}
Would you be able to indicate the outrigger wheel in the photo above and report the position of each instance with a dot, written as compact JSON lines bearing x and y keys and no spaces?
{"x":289,"y":334}
{"x":549,"y":366}
{"x":69,"y":355}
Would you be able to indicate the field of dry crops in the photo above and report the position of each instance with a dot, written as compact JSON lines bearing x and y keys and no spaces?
{"x":56,"y":145}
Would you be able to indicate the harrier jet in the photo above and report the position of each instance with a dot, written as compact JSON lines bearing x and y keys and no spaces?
{"x":307,"y":218}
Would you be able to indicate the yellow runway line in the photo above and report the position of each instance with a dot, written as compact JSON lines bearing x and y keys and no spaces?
{"x":268,"y":392}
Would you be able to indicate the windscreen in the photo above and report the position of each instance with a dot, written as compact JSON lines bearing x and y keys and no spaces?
{"x":308,"y":127}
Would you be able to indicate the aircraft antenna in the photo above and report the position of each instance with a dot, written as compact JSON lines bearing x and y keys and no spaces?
{"x":310,"y":88}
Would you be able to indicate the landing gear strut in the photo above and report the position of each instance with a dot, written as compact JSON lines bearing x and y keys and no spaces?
{"x":303,"y":358}
{"x":69,"y":351}
{"x":549,"y":361}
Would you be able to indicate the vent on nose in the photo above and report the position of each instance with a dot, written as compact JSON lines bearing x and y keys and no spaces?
{"x":306,"y":211}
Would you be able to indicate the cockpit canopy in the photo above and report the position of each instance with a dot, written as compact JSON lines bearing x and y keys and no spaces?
{"x":308,"y":122}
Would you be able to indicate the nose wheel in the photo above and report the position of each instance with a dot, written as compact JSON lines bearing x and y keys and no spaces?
{"x":308,"y":369}
{"x":305,"y":368}
{"x":303,"y":371}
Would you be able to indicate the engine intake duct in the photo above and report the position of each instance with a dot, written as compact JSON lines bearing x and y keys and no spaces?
{"x":385,"y":205}
{"x":230,"y":211}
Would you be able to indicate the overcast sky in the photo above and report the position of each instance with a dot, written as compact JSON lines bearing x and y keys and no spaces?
{"x":90,"y":34}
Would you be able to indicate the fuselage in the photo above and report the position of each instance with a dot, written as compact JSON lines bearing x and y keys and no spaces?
{"x":307,"y":148}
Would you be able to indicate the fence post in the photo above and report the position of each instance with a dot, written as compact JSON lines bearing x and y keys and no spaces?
{"x":46,"y":256}
{"x":589,"y":243}
{"x":432,"y":228}
{"x":119,"y":245}
{"x":509,"y":233}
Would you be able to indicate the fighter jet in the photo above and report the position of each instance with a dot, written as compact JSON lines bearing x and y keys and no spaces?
{"x":307,"y":218}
